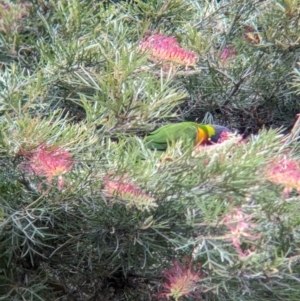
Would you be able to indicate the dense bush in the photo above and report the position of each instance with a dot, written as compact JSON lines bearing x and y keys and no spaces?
{"x":88,"y":212}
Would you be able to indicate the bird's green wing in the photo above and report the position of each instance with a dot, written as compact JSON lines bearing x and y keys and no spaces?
{"x":167,"y":134}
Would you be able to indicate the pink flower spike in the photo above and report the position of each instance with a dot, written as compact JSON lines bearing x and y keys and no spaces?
{"x":224,"y":136}
{"x":228,"y":53}
{"x":47,"y":161}
{"x":126,"y":190}
{"x":240,"y":227}
{"x":181,"y":281}
{"x":285,"y":172}
{"x":164,"y":48}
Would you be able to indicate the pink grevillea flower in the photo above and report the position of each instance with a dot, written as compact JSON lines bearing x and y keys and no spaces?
{"x":285,"y":172}
{"x":50,"y":162}
{"x":224,"y":136}
{"x":180,"y":281}
{"x":164,"y":48}
{"x":225,"y":139}
{"x":240,"y":226}
{"x":228,"y":53}
{"x":126,"y":190}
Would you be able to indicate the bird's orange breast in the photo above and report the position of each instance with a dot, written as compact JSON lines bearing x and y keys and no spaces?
{"x":201,"y":137}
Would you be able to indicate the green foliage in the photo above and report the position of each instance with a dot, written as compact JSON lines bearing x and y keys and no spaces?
{"x":75,"y":84}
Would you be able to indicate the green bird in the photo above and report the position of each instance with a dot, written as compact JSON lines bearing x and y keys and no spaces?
{"x":188,"y":131}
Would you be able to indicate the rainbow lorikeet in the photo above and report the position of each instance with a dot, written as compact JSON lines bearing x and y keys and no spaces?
{"x":195,"y":132}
